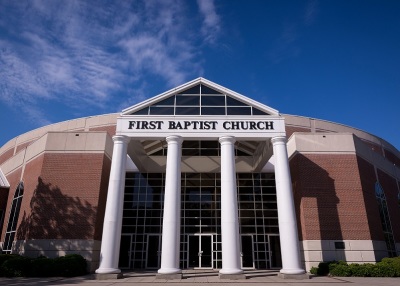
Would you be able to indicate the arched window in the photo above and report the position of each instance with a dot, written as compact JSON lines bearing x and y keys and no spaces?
{"x":385,"y":220}
{"x":13,"y":219}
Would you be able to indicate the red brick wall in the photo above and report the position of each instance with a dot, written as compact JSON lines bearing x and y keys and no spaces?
{"x":368,"y":180}
{"x":63,"y":197}
{"x":109,"y":129}
{"x":328,"y":197}
{"x":389,"y":186}
{"x":102,"y":198}
{"x":6,"y":155}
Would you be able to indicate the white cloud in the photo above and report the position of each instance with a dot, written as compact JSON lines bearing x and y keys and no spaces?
{"x":92,"y":51}
{"x":212,"y":23}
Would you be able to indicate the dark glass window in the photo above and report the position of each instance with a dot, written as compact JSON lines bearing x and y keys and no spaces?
{"x":385,"y":220}
{"x":13,"y":219}
{"x":188,"y":100}
{"x":143,"y":111}
{"x":207,"y":90}
{"x":200,"y":214}
{"x":213,"y":100}
{"x":167,"y":101}
{"x":213,"y":110}
{"x":246,"y":110}
{"x":187,"y":110}
{"x":234,"y":102}
{"x":193,"y":90}
{"x":155,"y":110}
{"x":258,"y":112}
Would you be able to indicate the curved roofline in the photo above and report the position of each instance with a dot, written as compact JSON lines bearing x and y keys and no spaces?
{"x":387,"y":143}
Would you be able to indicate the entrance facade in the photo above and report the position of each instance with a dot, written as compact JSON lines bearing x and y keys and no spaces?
{"x":200,"y":246}
{"x":200,"y":149}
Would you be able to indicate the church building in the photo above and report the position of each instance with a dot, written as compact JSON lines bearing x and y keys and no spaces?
{"x":200,"y":177}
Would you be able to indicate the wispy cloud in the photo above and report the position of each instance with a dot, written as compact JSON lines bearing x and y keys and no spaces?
{"x":94,"y":52}
{"x":211,"y":26}
{"x":311,"y":12}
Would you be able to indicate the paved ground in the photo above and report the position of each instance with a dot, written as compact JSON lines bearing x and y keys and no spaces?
{"x":196,"y":278}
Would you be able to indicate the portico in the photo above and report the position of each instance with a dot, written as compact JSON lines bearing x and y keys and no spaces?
{"x":200,"y":110}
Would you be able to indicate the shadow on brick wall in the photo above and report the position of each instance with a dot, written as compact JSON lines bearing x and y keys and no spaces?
{"x":317,"y":206}
{"x":55,"y":215}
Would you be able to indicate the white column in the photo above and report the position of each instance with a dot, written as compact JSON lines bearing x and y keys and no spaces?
{"x":170,"y":247}
{"x":229,"y":209}
{"x":286,"y":212}
{"x":110,"y":243}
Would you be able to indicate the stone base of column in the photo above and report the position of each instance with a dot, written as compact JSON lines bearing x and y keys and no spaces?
{"x":169,"y":276}
{"x":237,"y":276}
{"x":302,"y":276}
{"x":108,"y":276}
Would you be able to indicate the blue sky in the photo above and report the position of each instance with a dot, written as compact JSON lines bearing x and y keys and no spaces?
{"x":337,"y":60}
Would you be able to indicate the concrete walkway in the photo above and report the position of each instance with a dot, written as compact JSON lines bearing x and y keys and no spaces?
{"x":198,"y":277}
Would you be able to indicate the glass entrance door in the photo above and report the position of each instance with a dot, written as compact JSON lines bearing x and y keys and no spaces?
{"x":125,"y":251}
{"x":247,"y":251}
{"x":200,"y":251}
{"x":153,"y":251}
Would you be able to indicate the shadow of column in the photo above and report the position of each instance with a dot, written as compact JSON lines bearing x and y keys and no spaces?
{"x":316,"y":204}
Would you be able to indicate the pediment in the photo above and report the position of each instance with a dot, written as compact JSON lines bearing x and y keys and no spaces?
{"x":200,"y":97}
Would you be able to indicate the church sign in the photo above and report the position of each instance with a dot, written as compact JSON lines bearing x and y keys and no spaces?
{"x":134,"y":126}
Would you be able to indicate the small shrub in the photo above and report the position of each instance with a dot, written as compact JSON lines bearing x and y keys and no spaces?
{"x":393,"y":262}
{"x":323,"y":268}
{"x":70,"y":265}
{"x":42,"y":267}
{"x":4,"y":258}
{"x":383,"y":270}
{"x":17,"y":266}
{"x":314,"y":270}
{"x":341,"y":270}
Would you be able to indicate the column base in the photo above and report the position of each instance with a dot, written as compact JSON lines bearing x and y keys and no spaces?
{"x":302,"y":276}
{"x":108,"y":276}
{"x":169,"y":276}
{"x":237,"y":276}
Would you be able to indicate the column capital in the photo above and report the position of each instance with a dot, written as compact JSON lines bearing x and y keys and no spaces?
{"x":279,"y":139}
{"x":227,"y":139}
{"x":121,"y":138}
{"x":174,"y":138}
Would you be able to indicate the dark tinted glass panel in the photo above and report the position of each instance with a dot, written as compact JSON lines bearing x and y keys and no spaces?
{"x":193,"y":90}
{"x":154,"y":110}
{"x":213,"y":100}
{"x":238,"y":110}
{"x":167,"y":101}
{"x":209,"y":144}
{"x":188,"y":100}
{"x":144,"y":111}
{"x":233,"y":102}
{"x":207,"y":90}
{"x":259,"y":112}
{"x":213,"y":110}
{"x":187,"y":111}
{"x":190,"y":144}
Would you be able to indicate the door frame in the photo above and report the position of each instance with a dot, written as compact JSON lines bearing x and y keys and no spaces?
{"x":212,"y":249}
{"x":270,"y":254}
{"x":252,"y":251}
{"x":158,"y":250}
{"x":129,"y":251}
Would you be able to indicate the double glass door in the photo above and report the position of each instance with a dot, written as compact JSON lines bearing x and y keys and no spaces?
{"x":200,"y":251}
